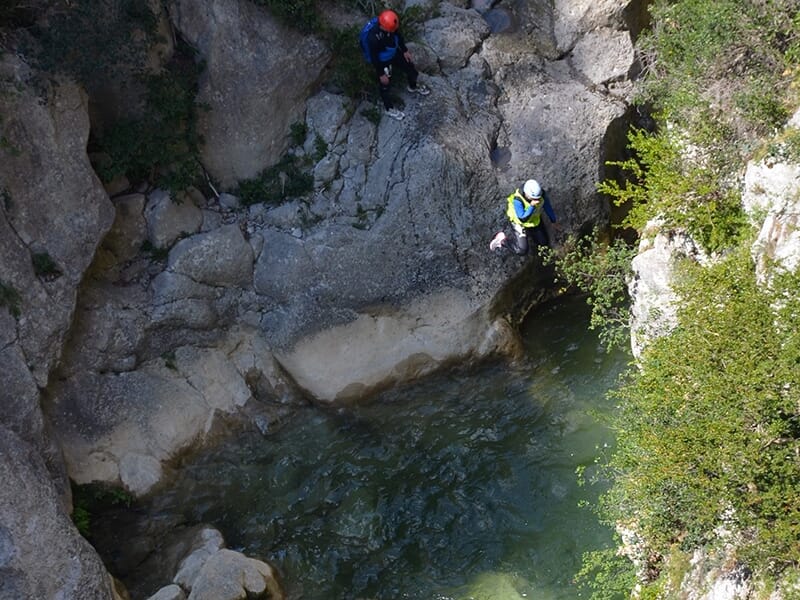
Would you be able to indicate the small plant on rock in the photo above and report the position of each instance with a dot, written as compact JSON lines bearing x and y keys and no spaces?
{"x":10,"y":298}
{"x":44,"y":265}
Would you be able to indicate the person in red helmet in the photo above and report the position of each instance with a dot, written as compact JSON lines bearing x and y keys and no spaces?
{"x":387,"y":49}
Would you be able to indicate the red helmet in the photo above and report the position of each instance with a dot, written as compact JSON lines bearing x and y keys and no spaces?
{"x":389,"y":21}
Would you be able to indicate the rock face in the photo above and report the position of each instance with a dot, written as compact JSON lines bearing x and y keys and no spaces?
{"x":44,"y":250}
{"x":258,"y":76}
{"x":42,"y":555}
{"x":770,"y":197}
{"x":122,"y":428}
{"x":653,"y":310}
{"x":53,"y":214}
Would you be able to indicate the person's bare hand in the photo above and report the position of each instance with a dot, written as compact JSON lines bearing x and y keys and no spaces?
{"x":384,"y":79}
{"x":407,"y":56}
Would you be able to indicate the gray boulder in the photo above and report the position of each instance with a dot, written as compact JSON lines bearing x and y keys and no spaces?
{"x":42,"y":555}
{"x":124,"y":428}
{"x":169,"y":592}
{"x":221,"y":257}
{"x":229,"y":575}
{"x":170,"y":218}
{"x":206,"y":542}
{"x":258,"y":76}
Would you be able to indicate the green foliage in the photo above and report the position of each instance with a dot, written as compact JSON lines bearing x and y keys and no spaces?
{"x":729,"y":53}
{"x":372,"y":114}
{"x":287,"y":179}
{"x":154,"y":252}
{"x":162,"y":146}
{"x":298,"y":132}
{"x":601,"y":271}
{"x":169,"y":360}
{"x":90,"y":39}
{"x":44,"y":265}
{"x":606,"y":575}
{"x":349,"y":71}
{"x":92,"y":498}
{"x":682,"y":183}
{"x":708,"y":431}
{"x":784,"y":147}
{"x":10,"y":298}
{"x":320,"y":149}
{"x":302,"y":15}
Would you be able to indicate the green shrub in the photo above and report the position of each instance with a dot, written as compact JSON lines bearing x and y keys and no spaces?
{"x":44,"y":265}
{"x":154,"y":252}
{"x":708,"y":431}
{"x":91,"y":498}
{"x":298,"y":132}
{"x":90,"y":40}
{"x":729,"y":53}
{"x":606,"y":575}
{"x":10,"y":298}
{"x":601,"y":271}
{"x":348,"y":69}
{"x":682,"y":183}
{"x":287,"y":179}
{"x":320,"y":148}
{"x":163,"y":146}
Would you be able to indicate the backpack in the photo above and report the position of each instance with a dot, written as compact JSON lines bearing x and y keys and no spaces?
{"x":362,"y":37}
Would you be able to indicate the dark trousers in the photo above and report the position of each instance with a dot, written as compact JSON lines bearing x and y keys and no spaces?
{"x":398,"y":62}
{"x":519,"y":243}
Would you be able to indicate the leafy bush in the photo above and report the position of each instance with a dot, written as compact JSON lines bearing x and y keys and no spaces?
{"x":298,"y":132}
{"x":91,"y":498}
{"x":700,"y":54}
{"x":287,"y":179}
{"x":681,"y":183}
{"x":90,"y":39}
{"x":162,"y":146}
{"x":10,"y":298}
{"x":44,"y":265}
{"x":708,"y":431}
{"x":606,"y":575}
{"x":601,"y":271}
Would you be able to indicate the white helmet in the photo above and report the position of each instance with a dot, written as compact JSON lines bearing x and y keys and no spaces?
{"x":532,"y":189}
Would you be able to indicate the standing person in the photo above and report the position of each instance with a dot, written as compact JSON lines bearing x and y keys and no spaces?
{"x":524,"y":210}
{"x":387,"y":49}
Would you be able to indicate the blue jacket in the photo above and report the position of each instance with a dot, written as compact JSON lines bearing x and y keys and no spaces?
{"x":383,"y":47}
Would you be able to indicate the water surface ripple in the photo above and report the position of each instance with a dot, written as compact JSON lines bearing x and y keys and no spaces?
{"x":461,"y":487}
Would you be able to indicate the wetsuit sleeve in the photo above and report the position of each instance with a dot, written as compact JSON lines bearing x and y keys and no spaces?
{"x":548,"y":208}
{"x":519,"y":208}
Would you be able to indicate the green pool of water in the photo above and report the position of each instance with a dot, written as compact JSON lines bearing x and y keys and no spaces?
{"x":461,"y":487}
